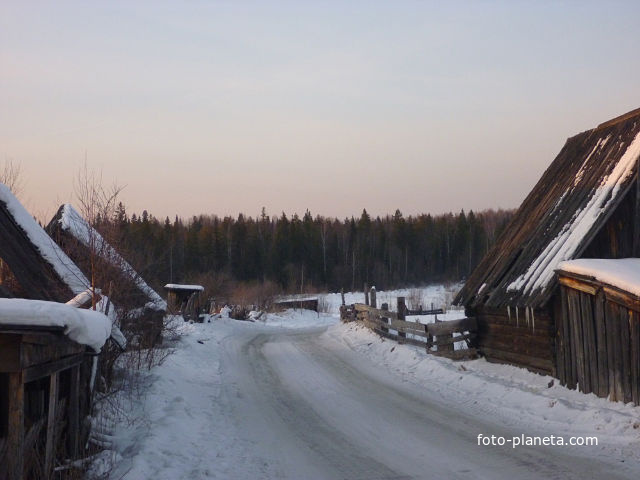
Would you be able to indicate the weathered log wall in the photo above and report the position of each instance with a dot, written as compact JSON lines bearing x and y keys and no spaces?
{"x":521,"y":337}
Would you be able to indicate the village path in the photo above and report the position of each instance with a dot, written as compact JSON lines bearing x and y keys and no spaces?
{"x":237,"y":401}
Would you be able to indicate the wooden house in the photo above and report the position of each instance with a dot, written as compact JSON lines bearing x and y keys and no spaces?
{"x":44,"y":373}
{"x":140,"y":309}
{"x":585,"y":206}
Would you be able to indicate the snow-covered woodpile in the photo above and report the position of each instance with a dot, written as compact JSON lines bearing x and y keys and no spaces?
{"x":584,"y":206}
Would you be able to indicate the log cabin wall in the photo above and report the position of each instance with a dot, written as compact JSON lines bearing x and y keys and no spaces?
{"x":521,"y":337}
{"x":598,"y":340}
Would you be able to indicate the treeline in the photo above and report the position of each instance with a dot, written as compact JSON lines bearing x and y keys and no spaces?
{"x":303,"y":253}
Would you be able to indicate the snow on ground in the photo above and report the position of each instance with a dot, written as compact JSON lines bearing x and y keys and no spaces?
{"x":513,"y":396}
{"x":297,"y":319}
{"x":256,"y":400}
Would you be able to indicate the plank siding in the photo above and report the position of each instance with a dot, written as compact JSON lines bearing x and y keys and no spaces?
{"x":512,"y":340}
{"x":601,"y":339}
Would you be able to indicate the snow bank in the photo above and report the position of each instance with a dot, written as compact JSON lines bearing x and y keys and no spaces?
{"x":623,"y":273}
{"x":565,"y":245}
{"x":77,"y":226}
{"x":64,"y":267}
{"x":506,"y":394}
{"x":86,"y":327}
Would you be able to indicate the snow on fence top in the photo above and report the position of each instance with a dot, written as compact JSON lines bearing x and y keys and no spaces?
{"x":623,"y":273}
{"x":86,"y":327}
{"x":178,"y":286}
{"x":51,"y":252}
{"x":77,"y":226}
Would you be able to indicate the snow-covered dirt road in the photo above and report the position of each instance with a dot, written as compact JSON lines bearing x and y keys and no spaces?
{"x":247,"y":401}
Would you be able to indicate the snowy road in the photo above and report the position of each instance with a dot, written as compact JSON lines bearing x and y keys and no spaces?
{"x":267,"y":403}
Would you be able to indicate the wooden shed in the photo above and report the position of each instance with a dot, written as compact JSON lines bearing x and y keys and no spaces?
{"x":44,"y":377}
{"x":43,"y":372}
{"x":184,"y":300}
{"x":598,"y":331}
{"x":31,"y":264}
{"x":141,"y":309}
{"x":584,"y":206}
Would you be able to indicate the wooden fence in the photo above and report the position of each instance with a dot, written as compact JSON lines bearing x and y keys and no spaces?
{"x":438,"y":338}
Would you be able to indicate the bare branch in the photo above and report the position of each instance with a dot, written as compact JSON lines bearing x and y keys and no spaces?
{"x":11,"y":176}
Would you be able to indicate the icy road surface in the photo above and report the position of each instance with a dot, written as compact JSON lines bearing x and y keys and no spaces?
{"x":246,"y":401}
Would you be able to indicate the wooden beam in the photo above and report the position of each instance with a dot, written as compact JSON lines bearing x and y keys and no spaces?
{"x":452,"y":326}
{"x":402,"y":313}
{"x":15,"y":434}
{"x":450,"y":340}
{"x":44,"y":370}
{"x":51,"y":424}
{"x":409,"y":327}
{"x":601,"y":345}
{"x":413,"y":313}
{"x":464,"y":354}
{"x":74,"y":412}
{"x":360,"y":307}
{"x":385,"y":308}
{"x":636,"y":217}
{"x":577,"y":285}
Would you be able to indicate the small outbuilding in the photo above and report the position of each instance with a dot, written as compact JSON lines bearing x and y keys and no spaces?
{"x":184,"y":300}
{"x":43,"y":352}
{"x":45,"y":347}
{"x":585,"y":206}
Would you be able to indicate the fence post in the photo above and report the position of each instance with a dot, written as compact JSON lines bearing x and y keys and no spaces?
{"x":449,"y":347}
{"x":366,"y":294}
{"x":402,"y":315}
{"x":374,"y":303}
{"x":342,"y":295}
{"x":385,"y":307}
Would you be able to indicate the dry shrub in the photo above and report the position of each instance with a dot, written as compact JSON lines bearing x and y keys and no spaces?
{"x":255,"y":295}
{"x":219,"y":286}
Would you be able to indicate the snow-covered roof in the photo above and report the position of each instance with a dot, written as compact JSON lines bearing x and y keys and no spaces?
{"x":559,"y":218}
{"x":623,"y":273}
{"x":86,"y":327}
{"x":68,"y":271}
{"x":179,"y":286}
{"x":71,"y":221}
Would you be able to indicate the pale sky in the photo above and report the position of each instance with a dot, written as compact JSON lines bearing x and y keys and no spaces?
{"x":225,"y":107}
